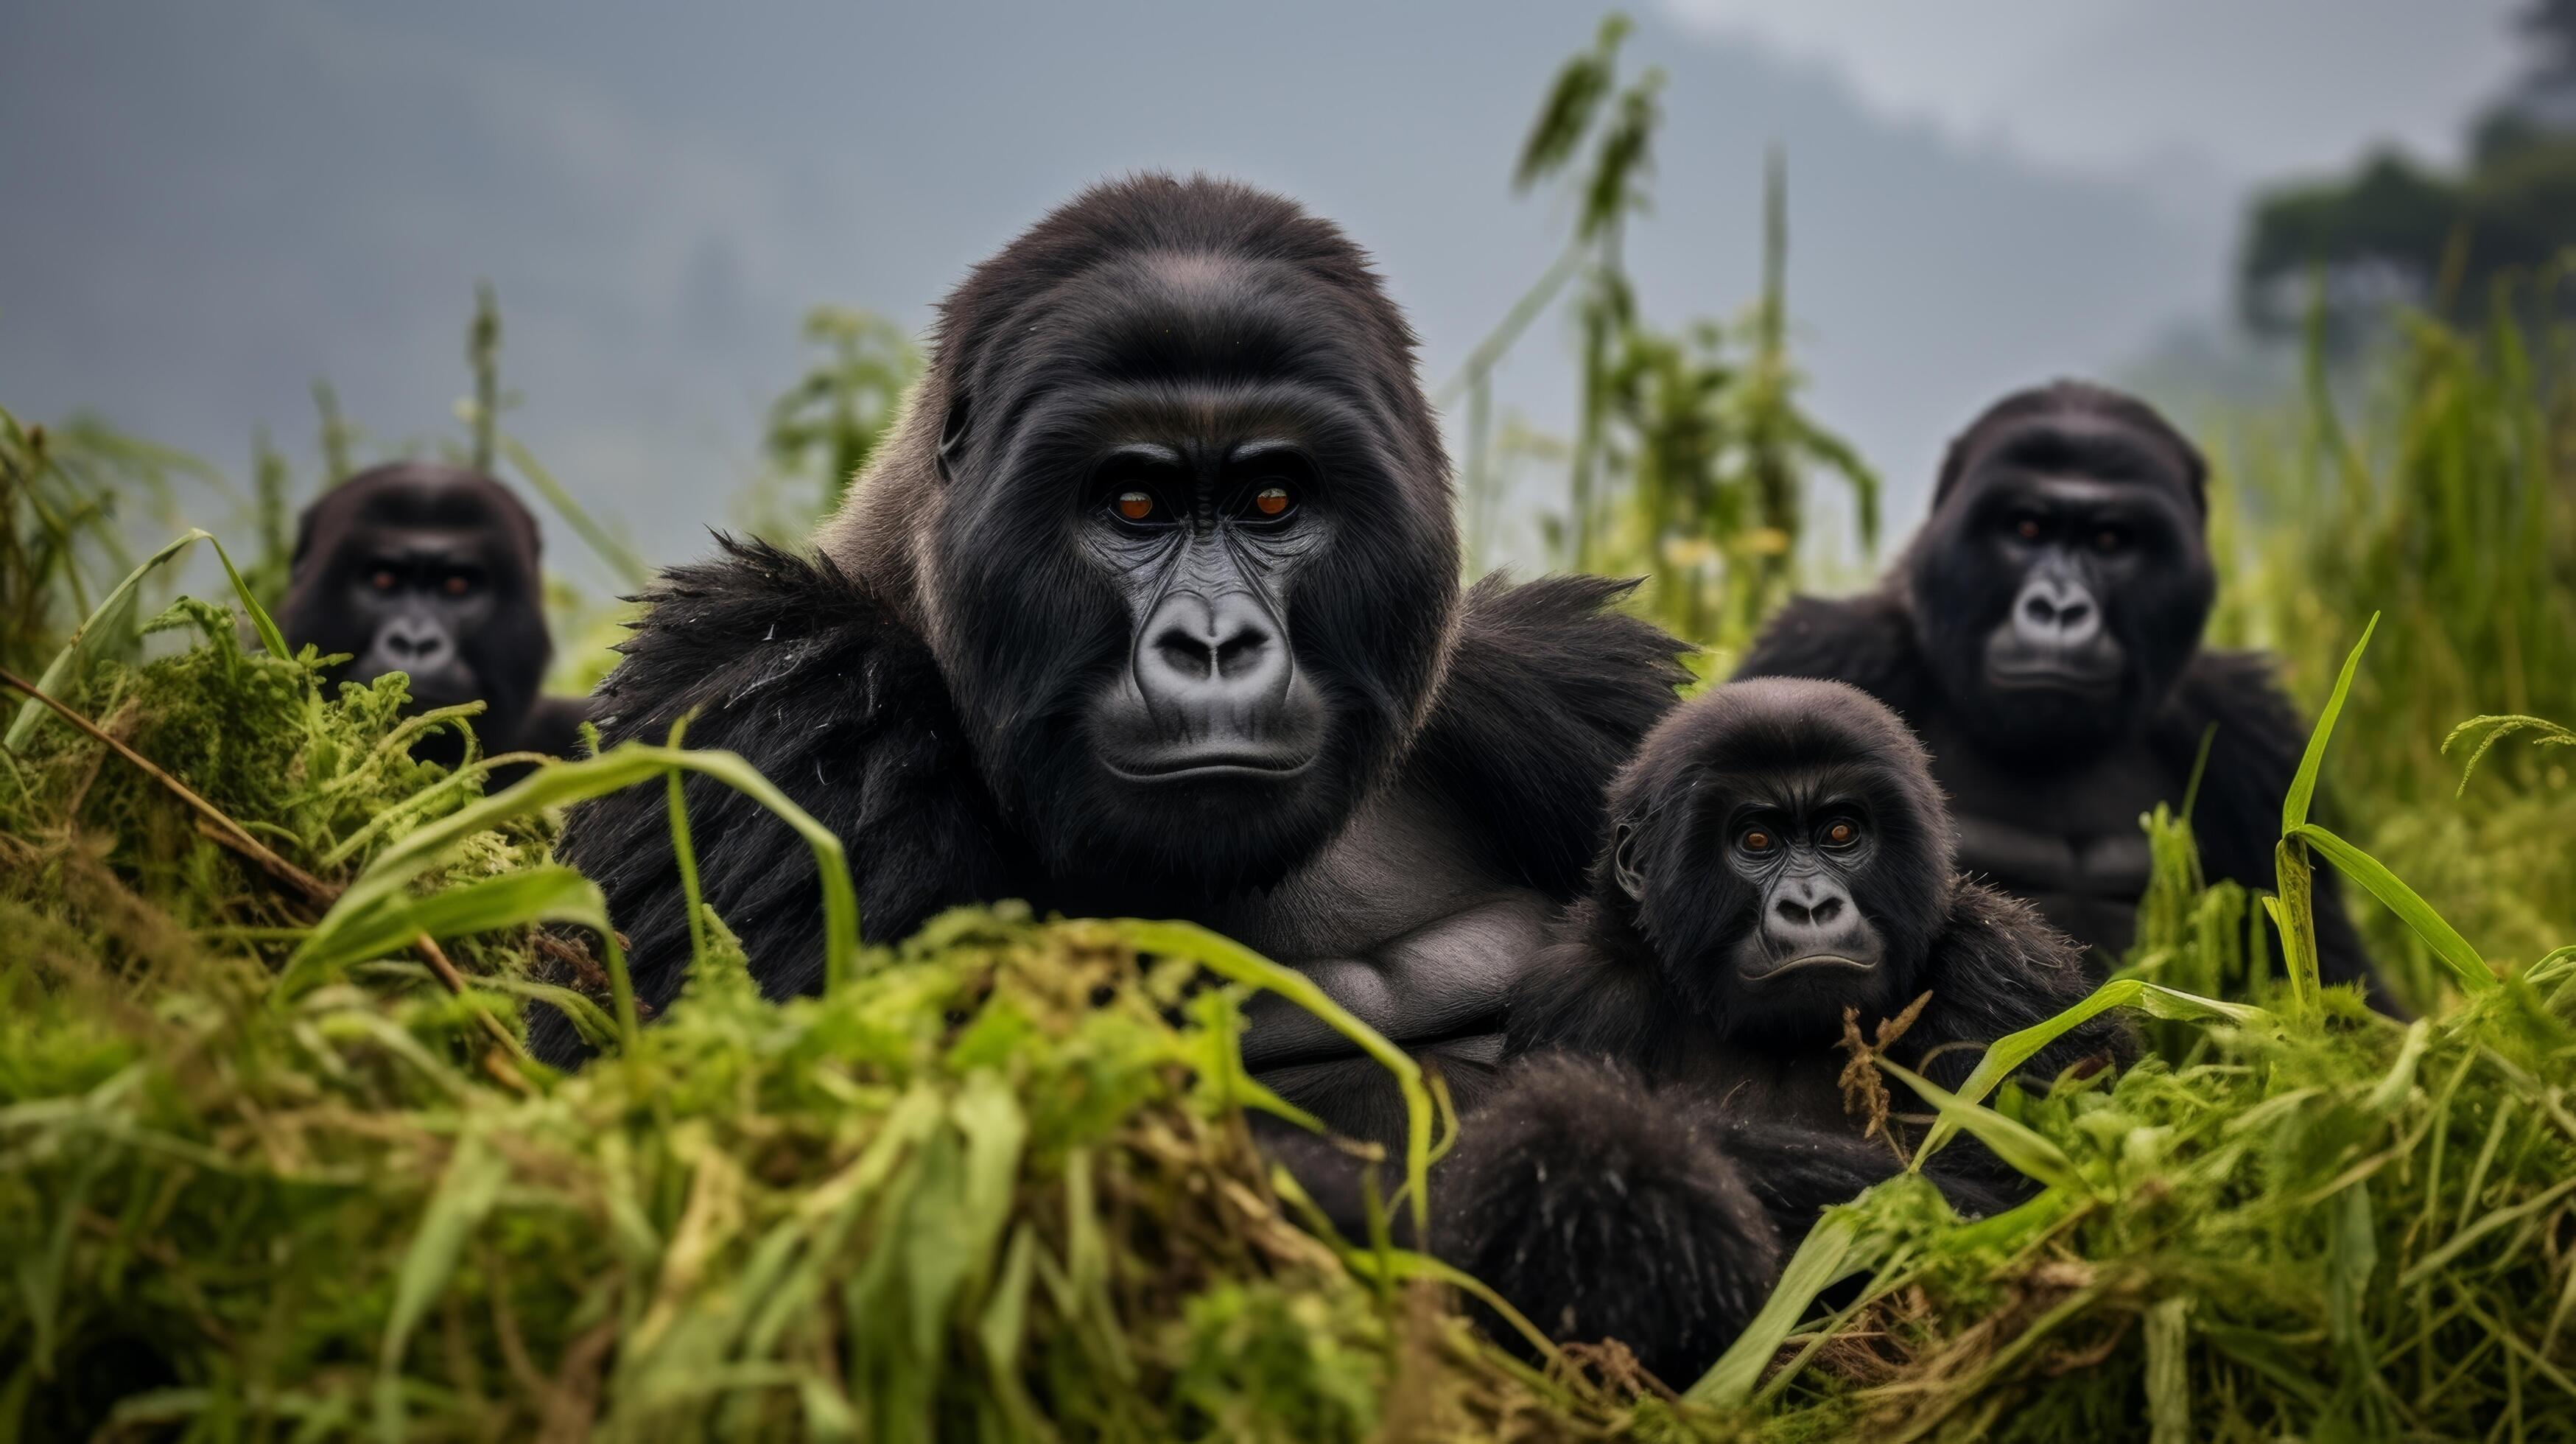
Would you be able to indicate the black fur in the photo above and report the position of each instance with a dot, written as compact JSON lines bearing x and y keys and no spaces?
{"x":1668,"y":968}
{"x":432,"y":570}
{"x":944,"y":685}
{"x":1605,"y":1208}
{"x":2048,"y":790}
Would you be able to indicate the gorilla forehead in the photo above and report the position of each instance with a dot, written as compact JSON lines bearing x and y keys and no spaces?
{"x":417,"y":496}
{"x":1155,"y":281}
{"x":2074,"y":426}
{"x":1774,"y":727}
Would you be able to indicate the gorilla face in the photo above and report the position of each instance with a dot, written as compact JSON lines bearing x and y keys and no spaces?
{"x":1781,"y":849}
{"x":430,"y":571}
{"x":2062,"y":582}
{"x":1191,"y":570}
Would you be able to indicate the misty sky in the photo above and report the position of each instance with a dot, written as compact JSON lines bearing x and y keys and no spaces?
{"x":208,"y":206}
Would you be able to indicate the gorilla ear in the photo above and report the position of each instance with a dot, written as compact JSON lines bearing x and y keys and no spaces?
{"x":952,"y":432}
{"x":1623,"y":840}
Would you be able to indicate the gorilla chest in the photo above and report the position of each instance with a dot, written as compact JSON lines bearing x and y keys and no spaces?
{"x":2067,"y":839}
{"x":1401,"y":924}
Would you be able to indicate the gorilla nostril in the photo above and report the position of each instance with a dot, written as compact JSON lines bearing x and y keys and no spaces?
{"x":1825,"y":910}
{"x":1186,"y":655}
{"x":2073,"y":614}
{"x":1796,"y":914}
{"x":1241,"y":652}
{"x":2036,"y":607}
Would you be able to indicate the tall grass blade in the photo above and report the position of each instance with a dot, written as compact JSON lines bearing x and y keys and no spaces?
{"x":2467,"y":967}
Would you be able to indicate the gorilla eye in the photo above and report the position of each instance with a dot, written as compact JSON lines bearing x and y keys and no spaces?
{"x":2109,"y":539}
{"x":2028,"y":528}
{"x":1842,"y":834}
{"x":1756,"y":840}
{"x":456,"y":584}
{"x":1271,"y":501}
{"x":383,"y":579}
{"x":1135,"y":505}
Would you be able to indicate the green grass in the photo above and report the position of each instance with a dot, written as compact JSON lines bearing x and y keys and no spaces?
{"x":273,"y":1163}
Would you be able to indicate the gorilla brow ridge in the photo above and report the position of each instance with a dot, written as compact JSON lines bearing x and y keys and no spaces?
{"x":2072,"y":399}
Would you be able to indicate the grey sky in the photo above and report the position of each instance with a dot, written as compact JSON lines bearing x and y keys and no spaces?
{"x":209,"y":206}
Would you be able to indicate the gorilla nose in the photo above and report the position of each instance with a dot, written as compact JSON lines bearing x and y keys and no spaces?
{"x":2056,"y":612}
{"x":1200,"y":651}
{"x":1809,"y":914}
{"x":410,"y":644}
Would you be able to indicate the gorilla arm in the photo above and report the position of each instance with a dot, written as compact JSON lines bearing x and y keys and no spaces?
{"x":803,"y":672}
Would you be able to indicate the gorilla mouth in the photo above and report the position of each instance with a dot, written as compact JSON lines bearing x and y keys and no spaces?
{"x":1807,"y":961}
{"x":1210,"y":764}
{"x":2054,"y":674}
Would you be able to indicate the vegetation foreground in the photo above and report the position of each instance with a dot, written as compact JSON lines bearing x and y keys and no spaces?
{"x":273,"y":1162}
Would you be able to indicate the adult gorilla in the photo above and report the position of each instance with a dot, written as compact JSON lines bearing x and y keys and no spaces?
{"x":2043,"y":637}
{"x":431,"y":570}
{"x":1150,"y":607}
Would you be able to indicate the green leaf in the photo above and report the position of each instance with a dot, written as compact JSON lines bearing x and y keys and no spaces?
{"x":474,"y":1177}
{"x":109,"y":628}
{"x":2465,"y":964}
{"x":2303,"y":786}
{"x":1830,"y":1253}
{"x":2014,"y":1143}
{"x":386,"y":879}
{"x":260,"y":621}
{"x":2499,"y":728}
{"x":1232,"y":959}
{"x":2007,"y":1054}
{"x":551,"y":893}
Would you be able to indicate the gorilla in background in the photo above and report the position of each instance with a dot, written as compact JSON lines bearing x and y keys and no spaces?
{"x":2042,"y":636}
{"x":431,"y":570}
{"x":1149,"y":606}
{"x":1779,"y":861}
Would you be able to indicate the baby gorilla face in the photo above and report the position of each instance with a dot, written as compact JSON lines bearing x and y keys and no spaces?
{"x":1780,"y":849}
{"x":1803,"y":855}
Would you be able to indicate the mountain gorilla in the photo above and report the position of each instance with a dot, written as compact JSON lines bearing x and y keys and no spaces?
{"x":431,"y":570}
{"x":1149,"y":606}
{"x":2043,"y":637}
{"x":1780,"y":861}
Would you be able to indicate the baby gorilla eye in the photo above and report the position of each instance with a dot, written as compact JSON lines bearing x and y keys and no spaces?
{"x":1756,"y":840}
{"x":1135,"y":505}
{"x":1271,"y":501}
{"x":1842,"y":834}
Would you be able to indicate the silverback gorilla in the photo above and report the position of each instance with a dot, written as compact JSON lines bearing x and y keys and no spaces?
{"x":431,"y":570}
{"x":2042,"y":636}
{"x":1779,"y":861}
{"x":1149,"y":607}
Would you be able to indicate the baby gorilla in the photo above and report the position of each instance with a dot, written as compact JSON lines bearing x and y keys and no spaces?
{"x":1779,"y":861}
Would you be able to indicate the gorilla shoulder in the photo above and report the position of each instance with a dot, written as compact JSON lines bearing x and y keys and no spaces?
{"x":804,"y":670}
{"x":1548,"y":692}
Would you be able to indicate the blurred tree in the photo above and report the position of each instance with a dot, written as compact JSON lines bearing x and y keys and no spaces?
{"x":2398,"y":232}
